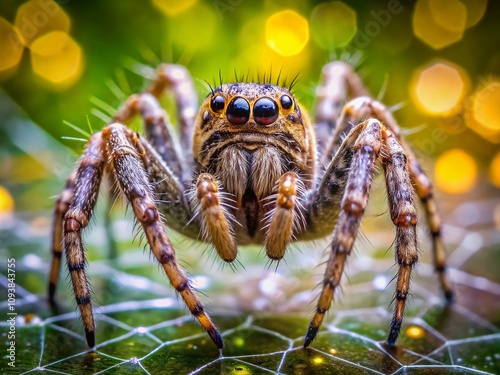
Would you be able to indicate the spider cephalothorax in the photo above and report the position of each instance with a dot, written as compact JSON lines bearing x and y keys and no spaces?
{"x":264,"y":173}
{"x":248,"y":136}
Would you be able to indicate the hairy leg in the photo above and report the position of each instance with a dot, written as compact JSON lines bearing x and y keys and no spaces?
{"x":365,"y":150}
{"x":355,"y":112}
{"x":124,"y":150}
{"x":61,"y":207}
{"x":88,"y":178}
{"x":177,"y":79}
{"x":404,"y":216}
{"x":159,"y":130}
{"x":338,"y":82}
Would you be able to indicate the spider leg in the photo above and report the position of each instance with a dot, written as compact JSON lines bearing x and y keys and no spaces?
{"x":365,"y":150}
{"x":215,"y":223}
{"x":323,"y":205}
{"x":284,"y":219}
{"x":159,"y":130}
{"x":177,"y":79}
{"x":357,"y":111}
{"x":338,"y":81}
{"x":87,"y":181}
{"x":424,"y":190}
{"x":61,"y":207}
{"x":124,"y":150}
{"x":404,"y":216}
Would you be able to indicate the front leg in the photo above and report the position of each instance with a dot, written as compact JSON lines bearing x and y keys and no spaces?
{"x":87,"y":182}
{"x":367,"y":141}
{"x":355,"y":112}
{"x":124,"y":149}
{"x":365,"y":150}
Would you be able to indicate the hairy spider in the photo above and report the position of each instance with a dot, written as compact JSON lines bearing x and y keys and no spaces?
{"x":263,"y":174}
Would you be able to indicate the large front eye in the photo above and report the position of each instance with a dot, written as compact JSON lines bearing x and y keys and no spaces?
{"x":238,"y":111}
{"x":217,"y":103}
{"x":265,"y":111}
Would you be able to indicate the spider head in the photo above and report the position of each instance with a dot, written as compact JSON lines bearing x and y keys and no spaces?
{"x":249,"y":134}
{"x":250,"y":113}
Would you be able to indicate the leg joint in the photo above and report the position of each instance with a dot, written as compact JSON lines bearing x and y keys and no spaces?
{"x":408,"y":261}
{"x":401,"y":296}
{"x":71,"y":225}
{"x":182,"y":286}
{"x":167,"y":257}
{"x":197,"y":310}
{"x":73,"y":267}
{"x":83,"y":300}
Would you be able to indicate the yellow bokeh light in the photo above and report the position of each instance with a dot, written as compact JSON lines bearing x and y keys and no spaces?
{"x":482,"y":114}
{"x":495,"y":170}
{"x":449,"y":14}
{"x":439,"y":89}
{"x":39,"y":17}
{"x":475,"y":11}
{"x":6,"y":201}
{"x":57,"y":58}
{"x":287,"y":32}
{"x":318,"y":360}
{"x":173,"y":7}
{"x":258,"y":59}
{"x":429,"y":18}
{"x":456,"y":172}
{"x":11,"y":45}
{"x":333,"y":24}
{"x":486,"y":106}
{"x":415,"y":332}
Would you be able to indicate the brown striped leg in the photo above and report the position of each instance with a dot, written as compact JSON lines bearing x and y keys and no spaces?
{"x":324,"y":204}
{"x":87,"y":181}
{"x":354,"y":112}
{"x":363,"y":107}
{"x":124,"y":150}
{"x":61,"y":207}
{"x":423,"y":187}
{"x":215,"y":220}
{"x":425,"y":193}
{"x":285,"y":218}
{"x":338,"y":81}
{"x":365,"y":152}
{"x":404,"y":216}
{"x":177,"y":79}
{"x":159,"y":130}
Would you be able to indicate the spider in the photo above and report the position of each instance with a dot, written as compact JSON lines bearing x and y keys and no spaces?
{"x":260,"y":172}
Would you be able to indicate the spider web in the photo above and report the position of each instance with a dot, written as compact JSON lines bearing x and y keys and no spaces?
{"x":263,"y":313}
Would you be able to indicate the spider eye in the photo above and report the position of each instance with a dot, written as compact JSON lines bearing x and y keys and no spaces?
{"x":217,"y":103}
{"x":286,"y":102}
{"x":238,"y":111}
{"x":265,"y":111}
